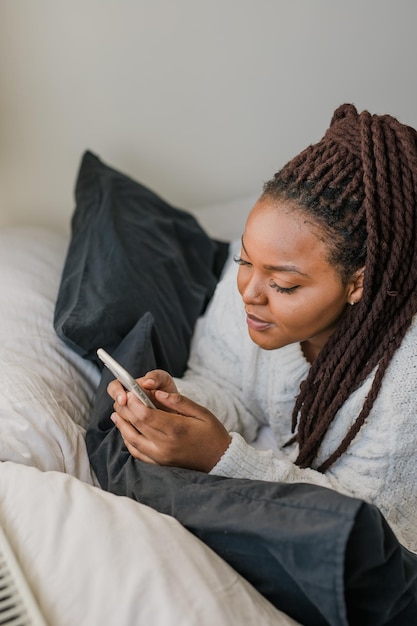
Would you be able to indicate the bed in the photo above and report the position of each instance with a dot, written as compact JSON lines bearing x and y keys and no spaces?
{"x":71,"y":553}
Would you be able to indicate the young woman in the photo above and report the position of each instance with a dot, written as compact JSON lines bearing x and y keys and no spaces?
{"x":318,"y":341}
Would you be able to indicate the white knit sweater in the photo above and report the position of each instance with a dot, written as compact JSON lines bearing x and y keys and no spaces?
{"x":247,"y":388}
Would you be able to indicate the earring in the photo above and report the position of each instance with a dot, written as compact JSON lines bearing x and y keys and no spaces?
{"x":352,"y":303}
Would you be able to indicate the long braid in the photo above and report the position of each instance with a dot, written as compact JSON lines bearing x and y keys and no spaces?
{"x":360,"y":184}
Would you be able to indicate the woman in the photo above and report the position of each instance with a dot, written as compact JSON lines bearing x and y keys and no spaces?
{"x":321,"y":344}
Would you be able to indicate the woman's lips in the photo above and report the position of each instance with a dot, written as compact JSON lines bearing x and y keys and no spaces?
{"x":257,"y":324}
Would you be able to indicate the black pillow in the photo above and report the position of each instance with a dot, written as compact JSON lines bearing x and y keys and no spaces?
{"x":131,"y":252}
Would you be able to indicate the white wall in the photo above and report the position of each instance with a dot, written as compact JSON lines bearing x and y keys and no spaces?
{"x":202,"y":100}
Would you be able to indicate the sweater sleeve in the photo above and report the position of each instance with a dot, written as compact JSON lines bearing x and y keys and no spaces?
{"x":242,"y":460}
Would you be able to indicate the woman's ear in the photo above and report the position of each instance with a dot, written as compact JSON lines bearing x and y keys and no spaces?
{"x":355,"y":287}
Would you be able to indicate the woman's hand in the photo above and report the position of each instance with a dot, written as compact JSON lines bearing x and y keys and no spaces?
{"x":181,"y":433}
{"x":153,"y":380}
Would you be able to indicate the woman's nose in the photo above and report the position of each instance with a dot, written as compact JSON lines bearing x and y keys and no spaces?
{"x":253,"y":292}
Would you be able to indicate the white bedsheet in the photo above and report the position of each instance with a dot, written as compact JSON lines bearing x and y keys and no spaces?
{"x":91,"y":558}
{"x":46,"y":389}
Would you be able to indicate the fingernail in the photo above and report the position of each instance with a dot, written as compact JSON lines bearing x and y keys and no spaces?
{"x":163,"y":395}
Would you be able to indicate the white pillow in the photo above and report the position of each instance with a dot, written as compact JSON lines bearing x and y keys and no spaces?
{"x":92,"y":558}
{"x":46,"y":390}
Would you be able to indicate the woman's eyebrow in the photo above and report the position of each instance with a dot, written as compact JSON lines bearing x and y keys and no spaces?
{"x":280,"y":268}
{"x":286,"y":268}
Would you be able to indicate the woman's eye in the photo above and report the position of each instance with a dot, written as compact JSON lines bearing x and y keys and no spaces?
{"x":240,"y":261}
{"x":283,"y":289}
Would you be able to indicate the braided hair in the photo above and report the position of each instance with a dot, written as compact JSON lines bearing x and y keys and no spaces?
{"x":359,"y":184}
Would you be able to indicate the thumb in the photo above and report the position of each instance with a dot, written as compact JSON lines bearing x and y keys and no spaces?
{"x":178,"y":403}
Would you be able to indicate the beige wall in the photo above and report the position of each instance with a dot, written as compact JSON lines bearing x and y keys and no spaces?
{"x":202,"y":100}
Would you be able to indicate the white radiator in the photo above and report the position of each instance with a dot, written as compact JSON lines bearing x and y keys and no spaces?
{"x":17,"y":603}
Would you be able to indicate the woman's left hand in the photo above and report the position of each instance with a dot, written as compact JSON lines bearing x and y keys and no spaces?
{"x":183,"y":434}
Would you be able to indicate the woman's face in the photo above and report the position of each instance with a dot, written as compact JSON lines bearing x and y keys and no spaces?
{"x":290,"y":291}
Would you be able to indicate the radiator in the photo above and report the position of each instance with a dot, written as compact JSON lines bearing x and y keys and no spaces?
{"x":18,"y":606}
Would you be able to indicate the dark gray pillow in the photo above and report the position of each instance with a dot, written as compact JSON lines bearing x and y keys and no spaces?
{"x":131,"y":252}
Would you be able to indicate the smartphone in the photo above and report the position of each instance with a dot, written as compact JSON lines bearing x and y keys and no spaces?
{"x":125,"y":378}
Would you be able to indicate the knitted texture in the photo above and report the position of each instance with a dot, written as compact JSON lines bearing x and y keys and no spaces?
{"x":247,"y":388}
